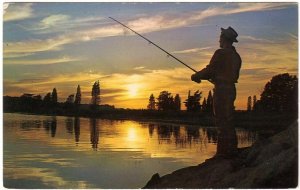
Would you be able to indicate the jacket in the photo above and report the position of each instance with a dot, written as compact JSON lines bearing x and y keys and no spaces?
{"x":223,"y":68}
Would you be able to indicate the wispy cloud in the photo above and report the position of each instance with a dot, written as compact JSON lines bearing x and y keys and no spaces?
{"x":254,"y":39}
{"x":34,"y":46}
{"x":293,"y":36}
{"x":62,"y":23}
{"x":269,"y":53}
{"x":139,"y":68}
{"x":53,"y":21}
{"x":193,"y":50}
{"x":17,"y":55}
{"x":17,"y":11}
{"x":63,"y":59}
{"x":143,"y":25}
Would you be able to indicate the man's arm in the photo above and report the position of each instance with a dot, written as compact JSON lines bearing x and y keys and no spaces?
{"x":209,"y":71}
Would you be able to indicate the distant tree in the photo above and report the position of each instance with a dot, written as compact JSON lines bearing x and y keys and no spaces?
{"x":95,"y":94}
{"x":209,"y":103}
{"x":254,"y":102}
{"x":70,"y":99}
{"x":151,"y":104}
{"x":188,"y":102}
{"x":37,"y":97}
{"x":192,"y":103}
{"x":177,"y":102}
{"x":54,"y":96}
{"x":78,"y":96}
{"x":165,"y":101}
{"x":249,"y":103}
{"x":47,"y":98}
{"x":280,"y":94}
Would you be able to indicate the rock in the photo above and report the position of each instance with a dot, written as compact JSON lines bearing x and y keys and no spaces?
{"x":269,"y":163}
{"x":154,"y":180}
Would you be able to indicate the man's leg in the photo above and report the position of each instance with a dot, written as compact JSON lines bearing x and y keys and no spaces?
{"x":223,"y":109}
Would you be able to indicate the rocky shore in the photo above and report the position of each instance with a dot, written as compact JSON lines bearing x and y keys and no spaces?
{"x":270,"y":163}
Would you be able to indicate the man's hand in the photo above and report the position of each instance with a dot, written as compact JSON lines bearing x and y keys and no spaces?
{"x":195,"y":78}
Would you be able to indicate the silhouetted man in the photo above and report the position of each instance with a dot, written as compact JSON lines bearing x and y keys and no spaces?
{"x":223,"y":71}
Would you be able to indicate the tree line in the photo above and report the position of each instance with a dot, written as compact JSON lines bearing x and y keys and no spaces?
{"x":167,"y":102}
{"x":280,"y":95}
{"x":51,"y":98}
{"x":49,"y":103}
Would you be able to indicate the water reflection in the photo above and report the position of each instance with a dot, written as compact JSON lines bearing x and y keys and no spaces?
{"x":151,"y":129}
{"x":127,"y":148}
{"x":164,"y":133}
{"x":30,"y":125}
{"x":179,"y":135}
{"x":94,"y":131}
{"x":69,"y":125}
{"x":50,"y":125}
{"x":77,"y":129}
{"x":212,"y":135}
{"x":183,"y":135}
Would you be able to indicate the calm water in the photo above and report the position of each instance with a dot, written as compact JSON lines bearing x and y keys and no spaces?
{"x":68,"y":152}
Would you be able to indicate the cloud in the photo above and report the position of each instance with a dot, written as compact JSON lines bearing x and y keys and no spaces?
{"x":254,"y":39}
{"x":281,"y":52}
{"x":63,"y":59}
{"x":5,"y":6}
{"x":53,"y":21}
{"x":295,"y":37}
{"x":17,"y":11}
{"x":62,"y":23}
{"x":255,"y":7}
{"x":34,"y":46}
{"x":16,"y":55}
{"x":193,"y":50}
{"x":139,"y":68}
{"x":142,"y":25}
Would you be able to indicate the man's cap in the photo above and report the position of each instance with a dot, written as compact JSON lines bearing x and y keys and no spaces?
{"x":229,"y":33}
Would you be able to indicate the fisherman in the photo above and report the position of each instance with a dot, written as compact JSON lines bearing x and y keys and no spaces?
{"x":223,"y":71}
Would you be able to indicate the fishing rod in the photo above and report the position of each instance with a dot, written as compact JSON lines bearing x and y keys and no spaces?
{"x":150,"y":42}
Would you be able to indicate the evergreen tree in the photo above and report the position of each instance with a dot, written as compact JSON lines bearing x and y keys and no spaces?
{"x":165,"y":101}
{"x":209,"y":103}
{"x":47,"y":98}
{"x":189,"y":102}
{"x":151,"y":104}
{"x":70,"y":99}
{"x":78,"y":96}
{"x":192,"y":103}
{"x":177,"y":102}
{"x":254,"y":102}
{"x":249,"y":104}
{"x":54,"y":96}
{"x":95,"y":94}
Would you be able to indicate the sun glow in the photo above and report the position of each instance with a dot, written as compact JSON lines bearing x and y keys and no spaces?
{"x":131,"y":134}
{"x":132,"y":90}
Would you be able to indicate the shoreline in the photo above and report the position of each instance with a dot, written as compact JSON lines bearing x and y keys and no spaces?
{"x":269,"y":163}
{"x":242,"y":119}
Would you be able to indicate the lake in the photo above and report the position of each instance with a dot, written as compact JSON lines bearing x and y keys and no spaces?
{"x":69,"y":152}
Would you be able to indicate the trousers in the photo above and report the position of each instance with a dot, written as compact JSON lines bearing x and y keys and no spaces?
{"x":223,"y":105}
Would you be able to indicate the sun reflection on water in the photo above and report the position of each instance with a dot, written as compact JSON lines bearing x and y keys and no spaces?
{"x":64,"y":147}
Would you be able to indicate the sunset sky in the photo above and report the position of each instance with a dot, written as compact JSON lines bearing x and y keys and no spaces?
{"x":62,"y":45}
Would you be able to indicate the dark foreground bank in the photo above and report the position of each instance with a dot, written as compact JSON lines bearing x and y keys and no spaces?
{"x":270,"y":163}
